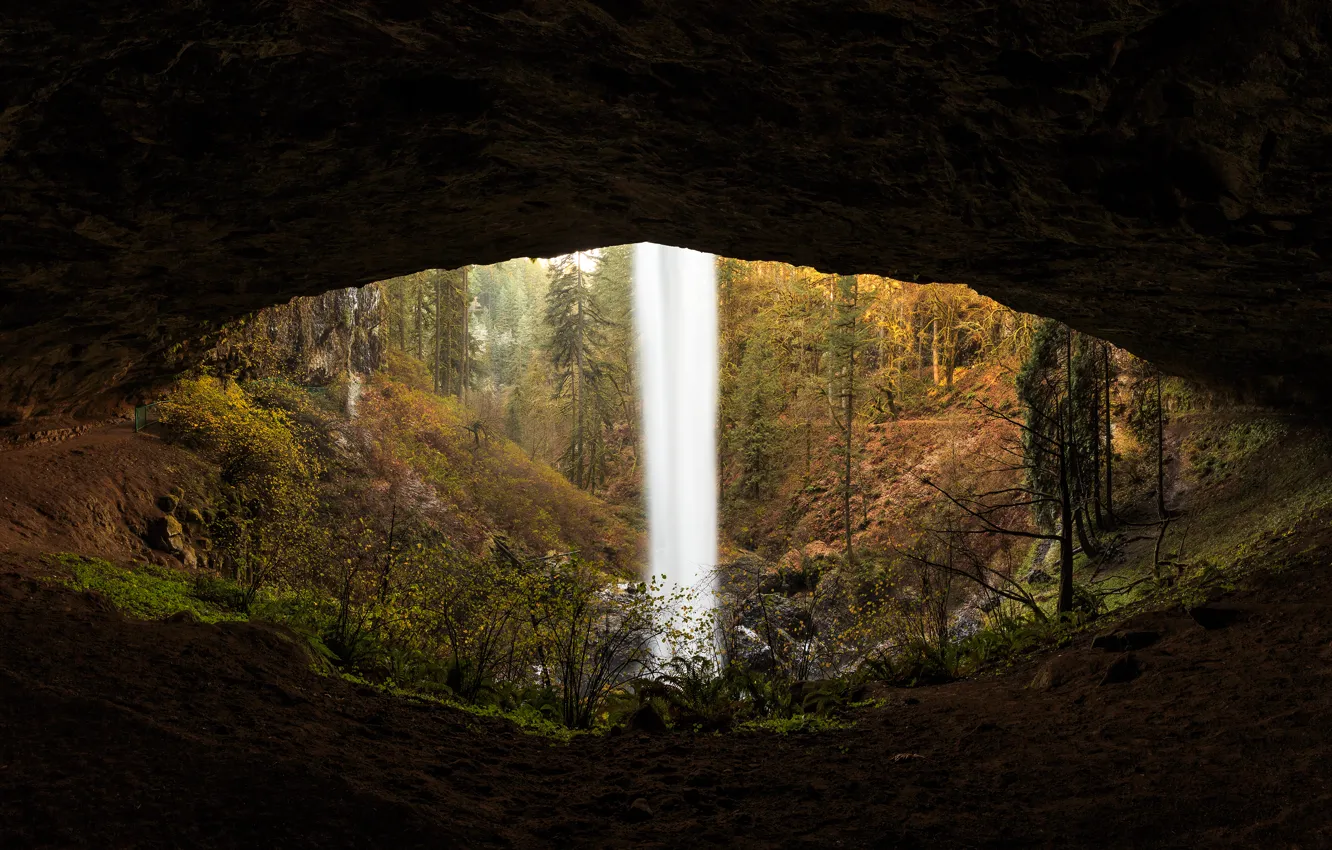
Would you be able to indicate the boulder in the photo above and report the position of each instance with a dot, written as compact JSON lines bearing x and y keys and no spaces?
{"x":1123,"y":669}
{"x":1037,"y":576}
{"x":1125,"y":641}
{"x":166,"y":535}
{"x":1211,"y":617}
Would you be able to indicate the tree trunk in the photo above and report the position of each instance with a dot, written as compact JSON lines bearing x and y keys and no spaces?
{"x":1065,"y":532}
{"x":1095,"y":416}
{"x":420,"y":320}
{"x":1066,"y":520}
{"x":1110,"y":521}
{"x":848,"y":408}
{"x":401,"y":310}
{"x":934,"y":350}
{"x":439,"y":320}
{"x":1085,"y":539}
{"x":466,"y":344}
{"x":1160,"y":451}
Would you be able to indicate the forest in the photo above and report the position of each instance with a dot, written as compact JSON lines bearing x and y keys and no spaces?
{"x":916,"y":483}
{"x":438,"y":482}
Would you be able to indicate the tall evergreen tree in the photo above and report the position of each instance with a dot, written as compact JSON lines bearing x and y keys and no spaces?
{"x":752,"y":407}
{"x":847,"y":335}
{"x":576,"y":350}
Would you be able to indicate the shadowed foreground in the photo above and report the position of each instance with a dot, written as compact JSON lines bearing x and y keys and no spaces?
{"x":128,"y":733}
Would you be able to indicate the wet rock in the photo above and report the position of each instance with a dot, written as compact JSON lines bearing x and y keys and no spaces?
{"x":166,"y":535}
{"x":1037,"y":576}
{"x":968,"y":620}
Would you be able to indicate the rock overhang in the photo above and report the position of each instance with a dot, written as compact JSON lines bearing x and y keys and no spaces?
{"x":1152,"y":173}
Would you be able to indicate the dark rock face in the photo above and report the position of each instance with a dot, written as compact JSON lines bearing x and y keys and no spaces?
{"x":316,"y":340}
{"x":1151,"y":172}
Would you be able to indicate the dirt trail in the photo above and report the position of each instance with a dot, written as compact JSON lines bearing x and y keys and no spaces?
{"x":118,"y":733}
{"x":93,"y":493}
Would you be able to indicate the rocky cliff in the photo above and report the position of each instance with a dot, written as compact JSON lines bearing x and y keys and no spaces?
{"x":313,"y":340}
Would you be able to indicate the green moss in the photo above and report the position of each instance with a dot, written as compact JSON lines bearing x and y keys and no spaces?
{"x":147,"y":591}
{"x":525,"y":717}
{"x":796,"y":724}
{"x":1214,"y":451}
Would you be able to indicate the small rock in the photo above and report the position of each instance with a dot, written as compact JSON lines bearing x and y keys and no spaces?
{"x":189,"y":558}
{"x":646,"y":719}
{"x":1124,"y":669}
{"x":193,"y":515}
{"x":1213,"y":618}
{"x":639,"y":810}
{"x":1037,"y":576}
{"x":185,"y":616}
{"x":1043,"y":680}
{"x":168,"y":503}
{"x":1063,"y":669}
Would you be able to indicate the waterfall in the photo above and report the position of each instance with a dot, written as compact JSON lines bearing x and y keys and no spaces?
{"x":353,"y":393}
{"x":675,"y":313}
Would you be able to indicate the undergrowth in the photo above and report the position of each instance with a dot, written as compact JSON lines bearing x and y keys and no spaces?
{"x":148,"y":591}
{"x":691,"y":695}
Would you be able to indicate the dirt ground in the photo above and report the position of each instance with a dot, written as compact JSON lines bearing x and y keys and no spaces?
{"x":93,"y":493}
{"x":120,"y":733}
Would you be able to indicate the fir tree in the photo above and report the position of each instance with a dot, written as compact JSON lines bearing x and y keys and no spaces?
{"x":576,"y":350}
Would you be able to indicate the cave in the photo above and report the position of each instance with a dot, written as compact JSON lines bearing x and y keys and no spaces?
{"x":1150,"y":174}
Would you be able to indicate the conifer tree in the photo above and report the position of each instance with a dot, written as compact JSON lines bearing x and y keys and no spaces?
{"x":847,"y":335}
{"x":576,"y":351}
{"x":753,"y":405}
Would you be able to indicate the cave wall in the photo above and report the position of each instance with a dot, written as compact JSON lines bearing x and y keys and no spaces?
{"x":1151,"y":171}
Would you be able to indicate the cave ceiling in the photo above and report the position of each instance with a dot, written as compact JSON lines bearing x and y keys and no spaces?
{"x":1153,"y":172}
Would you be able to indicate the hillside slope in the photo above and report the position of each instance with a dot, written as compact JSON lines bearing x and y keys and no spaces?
{"x":99,"y":493}
{"x":482,"y":483}
{"x":947,"y":432}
